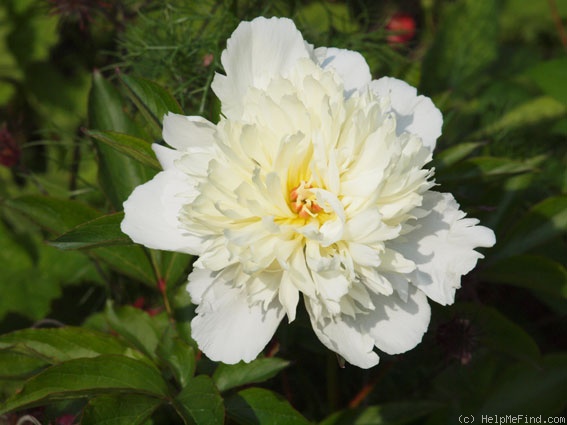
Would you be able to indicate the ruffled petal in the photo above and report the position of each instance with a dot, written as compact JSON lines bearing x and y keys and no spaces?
{"x":415,"y":114}
{"x":395,"y":325}
{"x":182,"y":132}
{"x":151,"y":213}
{"x":442,"y":247}
{"x":255,"y":53}
{"x":349,"y":65}
{"x":227,"y":328}
{"x":343,"y":335}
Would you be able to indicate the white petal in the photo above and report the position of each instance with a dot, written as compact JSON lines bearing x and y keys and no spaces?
{"x":151,"y":214}
{"x":255,"y":53}
{"x":166,"y":156}
{"x":288,"y":296}
{"x":395,"y":325}
{"x":342,"y":334}
{"x":351,"y":66}
{"x":442,"y":247}
{"x":415,"y":114}
{"x":227,"y":328}
{"x":200,"y":280}
{"x":183,"y":132}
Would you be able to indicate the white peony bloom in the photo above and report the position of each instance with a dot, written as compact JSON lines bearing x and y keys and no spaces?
{"x":313,"y":183}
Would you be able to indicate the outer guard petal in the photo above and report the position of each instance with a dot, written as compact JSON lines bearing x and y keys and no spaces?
{"x":442,"y":247}
{"x":343,"y":335}
{"x":151,"y":214}
{"x":395,"y":325}
{"x":256,"y":52}
{"x":350,"y":65}
{"x":226,"y":327}
{"x":183,"y":132}
{"x":415,"y":114}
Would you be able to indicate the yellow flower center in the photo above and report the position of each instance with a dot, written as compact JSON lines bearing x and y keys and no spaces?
{"x":303,"y":201}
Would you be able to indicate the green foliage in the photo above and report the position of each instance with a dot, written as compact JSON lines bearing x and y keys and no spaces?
{"x":495,"y":68}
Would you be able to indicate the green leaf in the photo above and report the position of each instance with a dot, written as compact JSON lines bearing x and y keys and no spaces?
{"x":119,"y":410}
{"x":480,"y":168}
{"x":129,"y":260}
{"x":324,"y":17}
{"x":134,"y":147}
{"x":256,"y":406}
{"x":118,"y":174}
{"x":543,"y":222}
{"x":230,"y":376}
{"x":137,"y":327}
{"x":88,"y":377}
{"x":454,"y":154}
{"x":550,"y":76}
{"x":102,"y":231}
{"x":14,"y":364}
{"x":55,"y":215}
{"x":386,"y":414}
{"x":201,"y":402}
{"x":151,"y":99}
{"x":34,"y":273}
{"x":537,"y":273}
{"x":530,"y":390}
{"x":173,"y":266}
{"x":178,"y":356}
{"x":539,"y":110}
{"x":57,"y":345}
{"x":464,"y":46}
{"x":497,"y":332}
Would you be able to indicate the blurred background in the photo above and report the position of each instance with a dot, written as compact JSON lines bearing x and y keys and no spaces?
{"x":497,"y":69}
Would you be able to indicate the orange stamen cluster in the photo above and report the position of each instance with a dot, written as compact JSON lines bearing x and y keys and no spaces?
{"x":303,"y":201}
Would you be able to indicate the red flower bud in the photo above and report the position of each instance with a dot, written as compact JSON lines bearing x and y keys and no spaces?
{"x":401,"y":28}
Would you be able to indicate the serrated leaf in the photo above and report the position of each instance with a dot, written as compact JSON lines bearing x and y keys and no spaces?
{"x":118,"y":174}
{"x":544,"y":221}
{"x":119,"y":410}
{"x":57,"y":345}
{"x":537,"y":273}
{"x":53,"y":214}
{"x":88,"y":377}
{"x":530,"y":389}
{"x":152,"y":100}
{"x":102,"y":231}
{"x":134,"y":147}
{"x":386,"y":414}
{"x":257,"y":406}
{"x":230,"y":376}
{"x":201,"y":402}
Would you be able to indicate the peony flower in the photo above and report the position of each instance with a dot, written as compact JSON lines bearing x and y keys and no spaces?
{"x":313,"y":186}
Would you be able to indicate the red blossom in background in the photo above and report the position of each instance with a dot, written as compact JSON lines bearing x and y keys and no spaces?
{"x":401,"y":28}
{"x":67,"y":419}
{"x":10,"y":152}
